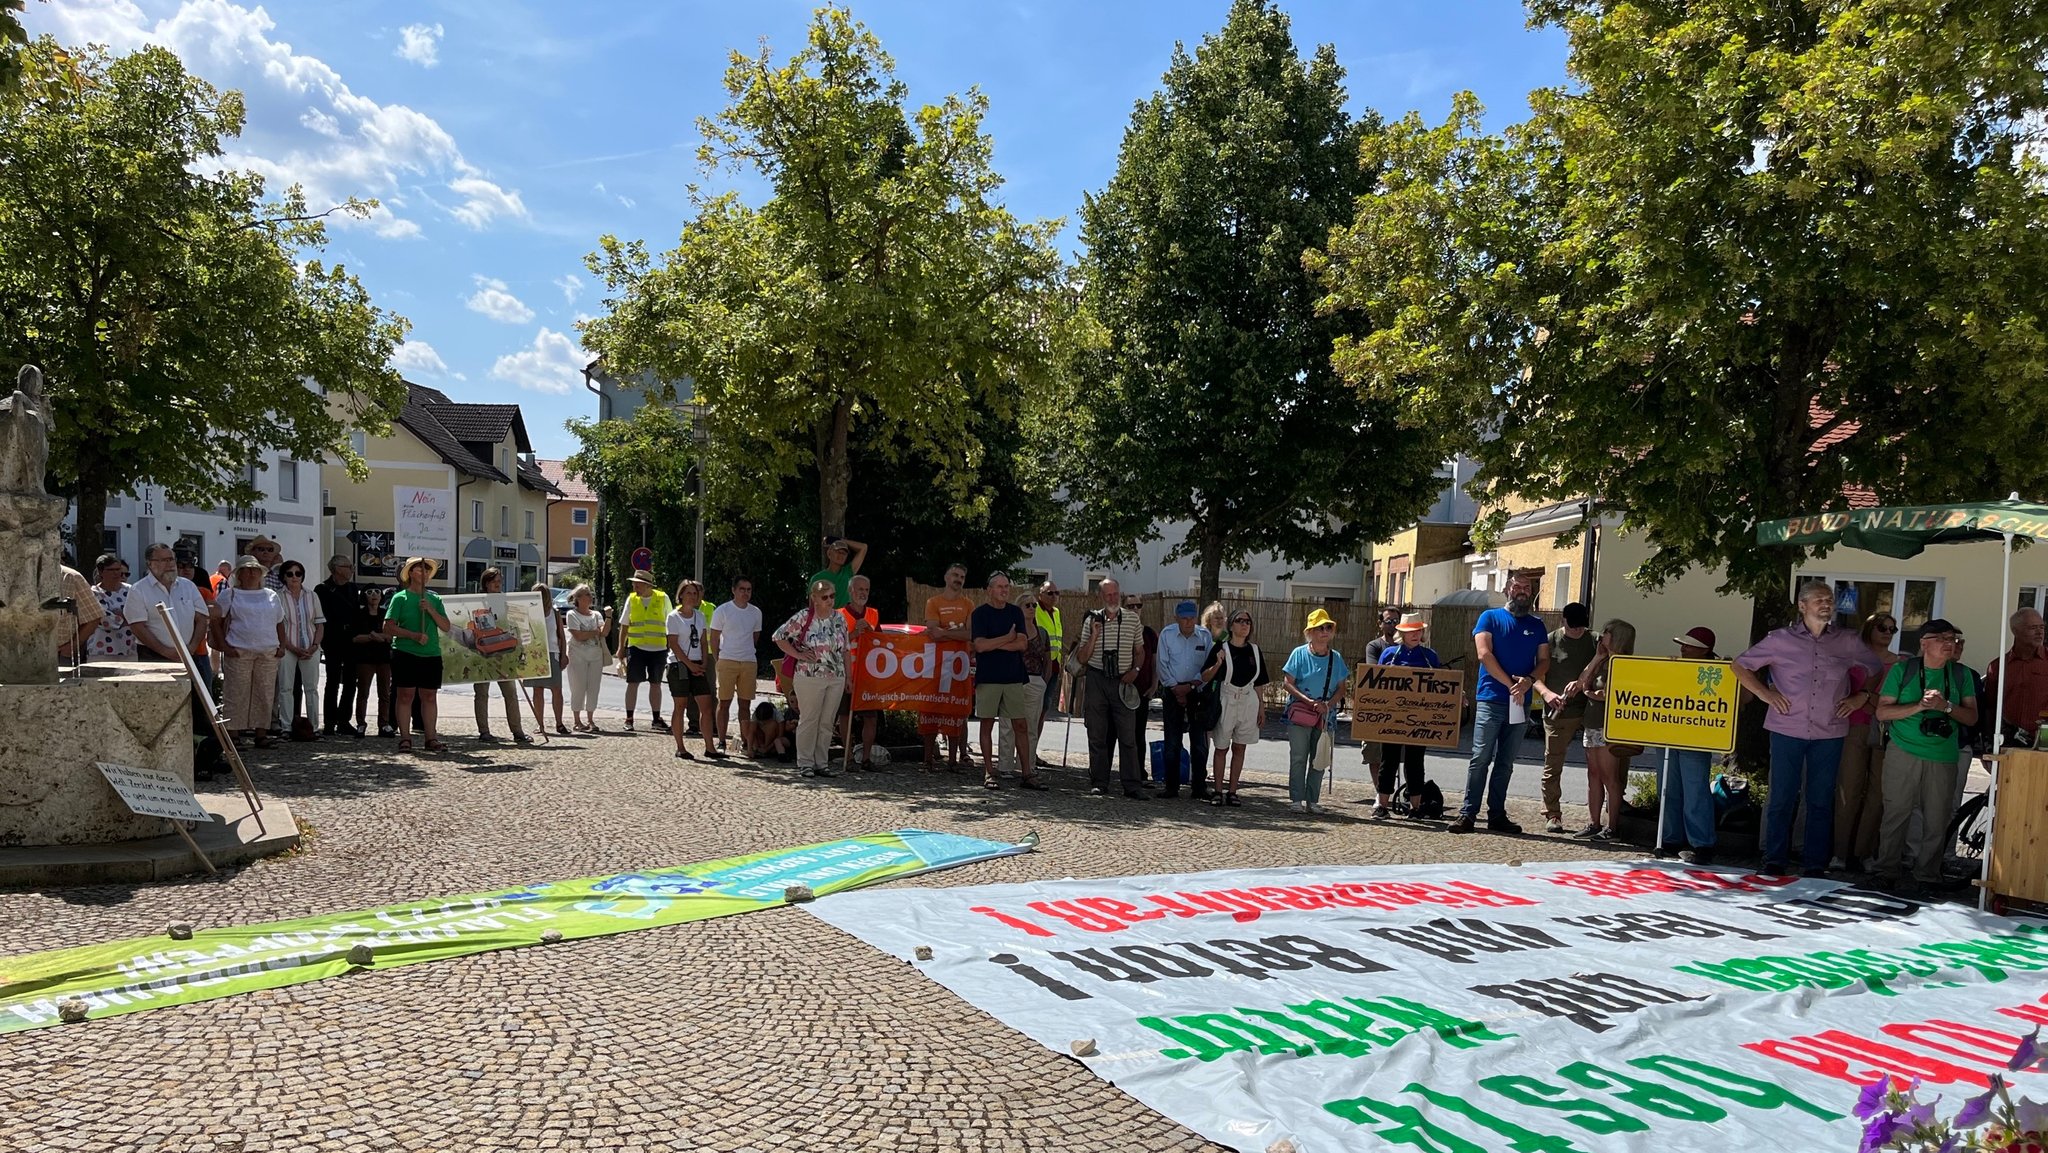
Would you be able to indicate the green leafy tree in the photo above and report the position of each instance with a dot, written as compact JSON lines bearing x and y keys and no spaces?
{"x":1207,"y":394}
{"x":183,"y":323}
{"x":1757,"y":255}
{"x":879,"y":296}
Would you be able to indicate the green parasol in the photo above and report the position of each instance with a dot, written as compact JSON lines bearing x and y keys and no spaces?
{"x":1904,"y":531}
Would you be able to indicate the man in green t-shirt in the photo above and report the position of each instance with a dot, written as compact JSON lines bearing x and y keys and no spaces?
{"x":1563,"y":689}
{"x":1925,"y":702}
{"x":842,"y":560}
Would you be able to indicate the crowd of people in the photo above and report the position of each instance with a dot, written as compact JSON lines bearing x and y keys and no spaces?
{"x":1868,"y":749}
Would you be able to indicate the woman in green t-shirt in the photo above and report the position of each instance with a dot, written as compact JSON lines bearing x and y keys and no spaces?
{"x":412,"y":619}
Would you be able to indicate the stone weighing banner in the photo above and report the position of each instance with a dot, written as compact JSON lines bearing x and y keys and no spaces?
{"x":129,"y":976}
{"x":1463,"y":1009}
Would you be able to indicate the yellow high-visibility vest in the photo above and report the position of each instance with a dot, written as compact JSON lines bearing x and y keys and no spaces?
{"x":647,"y":621}
{"x":1049,"y":624}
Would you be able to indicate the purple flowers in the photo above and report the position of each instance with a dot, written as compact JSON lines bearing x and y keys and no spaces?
{"x":2028,"y":1053}
{"x":1990,"y":1122}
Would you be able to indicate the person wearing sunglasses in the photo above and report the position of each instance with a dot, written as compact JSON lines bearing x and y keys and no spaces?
{"x":1238,"y":670}
{"x":1858,"y":783}
{"x":305,"y":625}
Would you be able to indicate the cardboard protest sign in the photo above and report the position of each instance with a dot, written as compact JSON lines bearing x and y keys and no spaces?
{"x":1678,"y":704}
{"x":904,"y":667}
{"x":1588,"y":1007}
{"x":1407,"y":706}
{"x":493,"y":637}
{"x":153,"y":792}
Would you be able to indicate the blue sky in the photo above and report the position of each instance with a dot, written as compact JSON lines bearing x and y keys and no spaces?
{"x":503,"y":137}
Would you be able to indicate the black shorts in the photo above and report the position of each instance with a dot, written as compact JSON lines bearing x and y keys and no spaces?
{"x":645,"y":665}
{"x":415,"y":672}
{"x":684,"y":683}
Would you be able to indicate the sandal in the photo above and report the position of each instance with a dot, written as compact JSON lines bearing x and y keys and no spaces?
{"x":988,"y":781}
{"x":1033,"y":783}
{"x":523,"y":739}
{"x":561,"y":729}
{"x":434,"y":745}
{"x":405,"y":744}
{"x":1231,"y":799}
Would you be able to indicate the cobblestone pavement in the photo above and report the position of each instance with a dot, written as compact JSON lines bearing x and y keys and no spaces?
{"x":767,"y":1031}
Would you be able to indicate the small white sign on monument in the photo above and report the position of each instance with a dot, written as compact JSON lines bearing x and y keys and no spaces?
{"x":154,"y":793}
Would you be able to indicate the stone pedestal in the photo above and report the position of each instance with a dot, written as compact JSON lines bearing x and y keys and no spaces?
{"x":50,"y":735}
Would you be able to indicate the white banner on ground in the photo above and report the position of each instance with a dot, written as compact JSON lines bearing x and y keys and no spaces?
{"x":1462,"y":1009}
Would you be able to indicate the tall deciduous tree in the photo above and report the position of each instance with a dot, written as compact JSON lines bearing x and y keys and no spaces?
{"x":879,"y":294}
{"x":179,"y":319}
{"x":1207,"y":395}
{"x":1757,"y":255}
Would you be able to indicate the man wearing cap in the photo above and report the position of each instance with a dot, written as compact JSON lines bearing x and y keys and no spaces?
{"x":1685,"y":796}
{"x":1183,"y":653}
{"x":1514,"y":655}
{"x":1563,"y":689}
{"x":842,"y":561}
{"x":1925,"y":702}
{"x":1810,"y":701}
{"x":1111,"y":650}
{"x":643,"y":644}
{"x":266,"y":551}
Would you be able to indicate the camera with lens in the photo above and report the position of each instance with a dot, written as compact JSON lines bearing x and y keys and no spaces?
{"x":1936,"y":725}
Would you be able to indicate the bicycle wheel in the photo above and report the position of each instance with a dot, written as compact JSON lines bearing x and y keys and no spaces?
{"x":1966,"y":832}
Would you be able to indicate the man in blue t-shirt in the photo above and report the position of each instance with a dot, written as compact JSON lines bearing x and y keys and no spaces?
{"x":1514,"y":652}
{"x":1002,"y":688}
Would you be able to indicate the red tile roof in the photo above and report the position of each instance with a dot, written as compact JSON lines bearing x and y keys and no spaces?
{"x":1818,"y":418}
{"x":570,"y":483}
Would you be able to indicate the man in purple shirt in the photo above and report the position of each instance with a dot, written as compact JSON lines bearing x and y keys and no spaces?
{"x":1810,"y":703}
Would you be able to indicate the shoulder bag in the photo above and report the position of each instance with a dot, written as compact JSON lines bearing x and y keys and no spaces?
{"x":803,"y":638}
{"x":1304,"y":714}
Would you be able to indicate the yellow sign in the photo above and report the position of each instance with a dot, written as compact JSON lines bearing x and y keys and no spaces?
{"x":1676,"y":704}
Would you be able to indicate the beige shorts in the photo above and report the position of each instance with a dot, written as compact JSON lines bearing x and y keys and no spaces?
{"x":1004,"y":702}
{"x":735,"y":678}
{"x":1239,"y":724}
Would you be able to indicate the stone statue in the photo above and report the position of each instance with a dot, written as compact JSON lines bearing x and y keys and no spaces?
{"x":31,"y":549}
{"x":24,"y":434}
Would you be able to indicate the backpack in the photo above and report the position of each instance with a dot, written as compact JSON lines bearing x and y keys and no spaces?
{"x":1429,"y":802}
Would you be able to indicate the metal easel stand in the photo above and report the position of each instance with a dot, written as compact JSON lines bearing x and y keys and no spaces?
{"x":203,"y":692}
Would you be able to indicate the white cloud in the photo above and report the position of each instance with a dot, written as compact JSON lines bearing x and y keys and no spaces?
{"x":418,"y":358}
{"x":494,"y":300}
{"x":571,"y":286}
{"x":306,"y":126}
{"x":421,"y":44}
{"x":552,"y":363}
{"x":603,"y":191}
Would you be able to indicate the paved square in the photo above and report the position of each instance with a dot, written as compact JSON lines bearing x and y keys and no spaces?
{"x":758,"y":1032}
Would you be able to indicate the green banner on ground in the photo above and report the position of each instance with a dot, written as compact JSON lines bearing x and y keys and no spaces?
{"x":144,"y":973}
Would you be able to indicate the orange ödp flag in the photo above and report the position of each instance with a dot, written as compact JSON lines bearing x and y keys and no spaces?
{"x":903,"y":667}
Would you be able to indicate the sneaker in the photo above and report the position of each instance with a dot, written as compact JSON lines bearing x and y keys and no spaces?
{"x":1313,"y":807}
{"x":1590,"y":832}
{"x":1838,"y":863}
{"x":1381,"y":812}
{"x":827,"y":771}
{"x":1600,"y":835}
{"x":1697,"y":856}
{"x":693,"y":731}
{"x":1462,"y":825}
{"x":806,"y":771}
{"x":1098,"y":792}
{"x":1774,"y":869}
{"x":1299,"y":806}
{"x":1664,"y":853}
{"x":629,"y":722}
{"x":1553,"y":825}
{"x":1501,"y":825}
{"x":660,"y":726}
{"x":684,"y":755}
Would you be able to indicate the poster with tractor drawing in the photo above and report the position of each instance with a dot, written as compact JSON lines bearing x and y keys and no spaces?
{"x":493,"y":637}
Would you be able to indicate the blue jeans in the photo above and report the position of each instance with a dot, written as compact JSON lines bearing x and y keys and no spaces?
{"x":1304,"y":783}
{"x":1802,"y":767}
{"x":1687,"y":798}
{"x":1494,"y":741}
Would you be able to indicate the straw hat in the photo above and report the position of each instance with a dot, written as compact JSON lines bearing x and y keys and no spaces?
{"x":1318,"y":619}
{"x":642,"y":576}
{"x":433,"y":566}
{"x":1411,"y":623}
{"x":249,"y":562}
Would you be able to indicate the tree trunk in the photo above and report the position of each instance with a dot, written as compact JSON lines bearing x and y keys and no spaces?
{"x":835,"y":472}
{"x":1211,"y":589}
{"x":90,"y":525}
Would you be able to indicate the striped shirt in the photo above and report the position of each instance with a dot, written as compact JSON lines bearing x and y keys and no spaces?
{"x":1123,"y":634}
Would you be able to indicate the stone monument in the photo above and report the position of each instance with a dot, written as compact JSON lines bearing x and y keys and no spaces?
{"x":31,"y":546}
{"x":52,"y":733}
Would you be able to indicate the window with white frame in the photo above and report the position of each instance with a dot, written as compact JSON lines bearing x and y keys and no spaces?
{"x":1303,"y":591}
{"x":287,"y":479}
{"x":505,"y":520}
{"x":1561,"y":592}
{"x":579,"y":516}
{"x":579,"y":546}
{"x":476,"y":516}
{"x":2032,"y":597}
{"x":359,"y":441}
{"x":1912,"y":602}
{"x":529,"y":524}
{"x":252,"y":475}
